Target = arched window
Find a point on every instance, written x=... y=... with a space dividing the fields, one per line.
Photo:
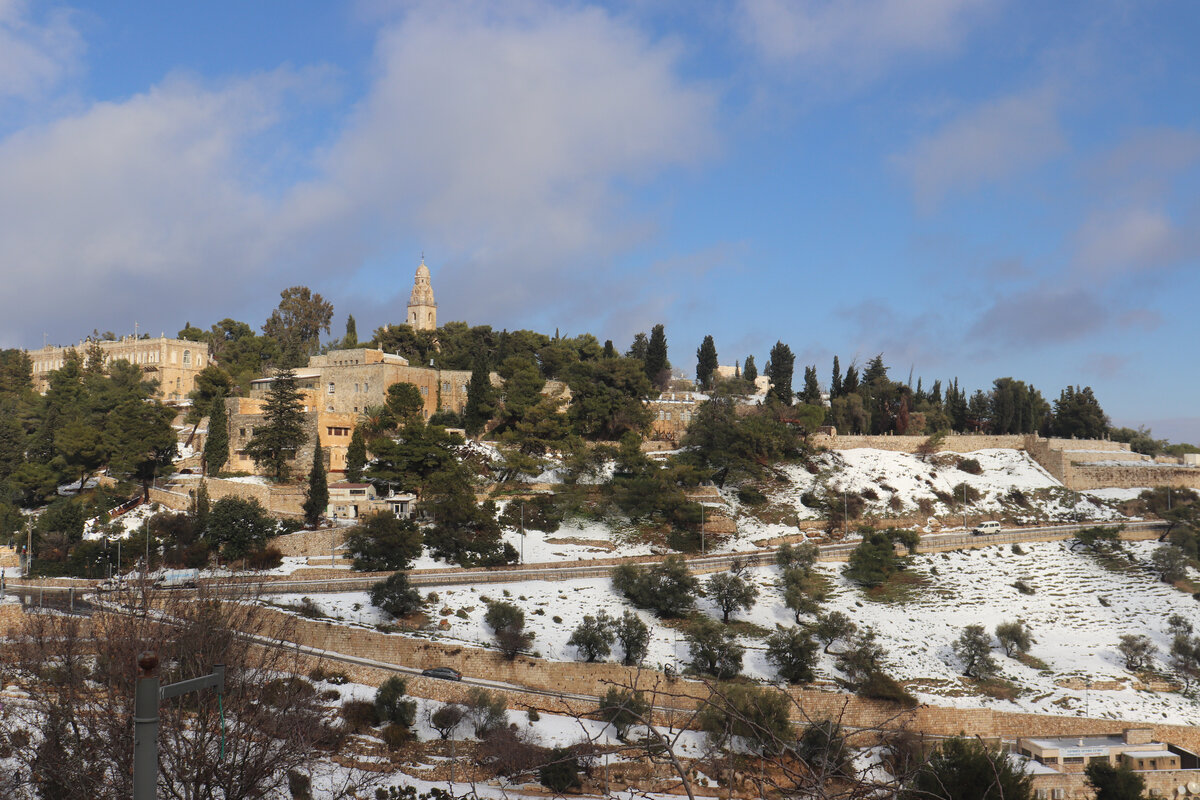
x=187 y=358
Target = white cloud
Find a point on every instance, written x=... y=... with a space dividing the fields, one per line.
x=858 y=37
x=35 y=57
x=987 y=144
x=505 y=146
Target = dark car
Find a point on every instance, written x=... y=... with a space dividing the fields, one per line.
x=445 y=673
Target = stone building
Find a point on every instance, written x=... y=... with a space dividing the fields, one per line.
x=173 y=363
x=354 y=500
x=422 y=310
x=1057 y=763
x=672 y=413
x=331 y=430
x=351 y=381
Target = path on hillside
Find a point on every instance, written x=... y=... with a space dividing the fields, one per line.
x=558 y=571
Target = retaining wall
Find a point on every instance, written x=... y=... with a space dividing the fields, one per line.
x=286 y=501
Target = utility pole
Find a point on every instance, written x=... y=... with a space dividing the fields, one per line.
x=522 y=532
x=145 y=719
x=845 y=512
x=702 y=529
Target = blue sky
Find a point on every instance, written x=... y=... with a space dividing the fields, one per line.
x=974 y=188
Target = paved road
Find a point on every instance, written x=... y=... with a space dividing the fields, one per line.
x=554 y=571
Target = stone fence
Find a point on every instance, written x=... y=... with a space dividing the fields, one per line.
x=285 y=501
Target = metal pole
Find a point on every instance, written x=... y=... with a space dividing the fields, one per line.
x=964 y=507
x=845 y=512
x=702 y=529
x=522 y=532
x=145 y=730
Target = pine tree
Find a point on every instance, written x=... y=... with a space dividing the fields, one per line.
x=706 y=362
x=749 y=370
x=481 y=403
x=351 y=339
x=316 y=500
x=835 y=386
x=282 y=433
x=658 y=368
x=850 y=382
x=356 y=455
x=812 y=390
x=216 y=445
x=779 y=370
x=609 y=350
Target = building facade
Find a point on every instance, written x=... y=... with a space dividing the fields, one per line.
x=351 y=381
x=422 y=310
x=173 y=363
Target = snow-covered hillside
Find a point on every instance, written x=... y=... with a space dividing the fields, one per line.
x=1078 y=612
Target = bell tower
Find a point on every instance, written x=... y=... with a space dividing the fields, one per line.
x=422 y=310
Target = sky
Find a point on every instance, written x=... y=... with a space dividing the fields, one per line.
x=973 y=188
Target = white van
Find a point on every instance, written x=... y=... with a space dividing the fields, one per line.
x=986 y=528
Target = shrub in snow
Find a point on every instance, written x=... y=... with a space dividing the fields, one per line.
x=1137 y=651
x=395 y=596
x=383 y=542
x=561 y=772
x=793 y=653
x=634 y=636
x=446 y=719
x=508 y=623
x=391 y=705
x=974 y=648
x=730 y=593
x=1015 y=637
x=757 y=714
x=593 y=637
x=667 y=588
x=485 y=711
x=623 y=710
x=970 y=466
x=1170 y=563
x=714 y=650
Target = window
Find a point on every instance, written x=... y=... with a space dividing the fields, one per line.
x=1050 y=760
x=356 y=388
x=329 y=409
x=331 y=387
x=187 y=358
x=425 y=390
x=358 y=491
x=366 y=387
x=446 y=387
x=335 y=430
x=1073 y=760
x=241 y=431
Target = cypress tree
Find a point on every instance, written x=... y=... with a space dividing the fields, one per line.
x=750 y=370
x=657 y=366
x=779 y=370
x=609 y=350
x=200 y=509
x=351 y=339
x=835 y=386
x=480 y=399
x=216 y=446
x=317 y=498
x=356 y=455
x=706 y=362
x=812 y=390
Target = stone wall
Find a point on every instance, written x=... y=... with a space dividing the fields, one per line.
x=306 y=543
x=953 y=443
x=285 y=501
x=1089 y=476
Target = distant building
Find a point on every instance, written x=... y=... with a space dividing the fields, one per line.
x=761 y=383
x=173 y=363
x=1057 y=763
x=422 y=310
x=354 y=500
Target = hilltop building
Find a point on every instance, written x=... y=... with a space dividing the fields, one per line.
x=173 y=363
x=422 y=310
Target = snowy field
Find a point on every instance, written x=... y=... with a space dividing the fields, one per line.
x=1076 y=632
x=900 y=481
